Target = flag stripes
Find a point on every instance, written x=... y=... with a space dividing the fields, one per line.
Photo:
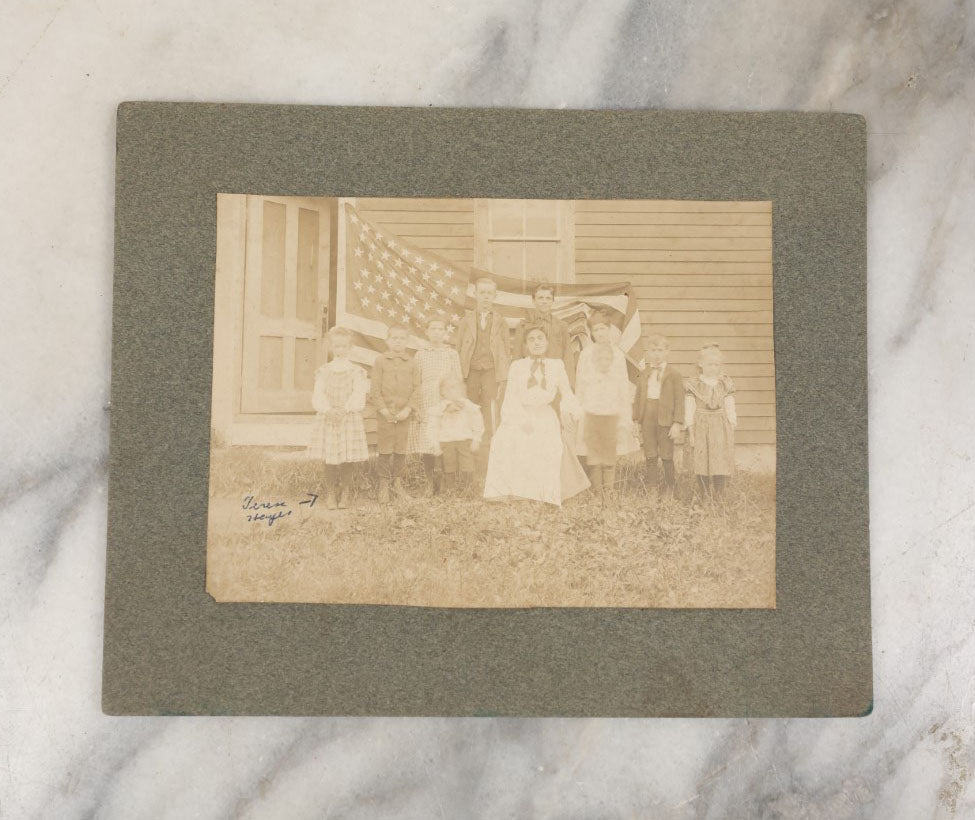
x=385 y=281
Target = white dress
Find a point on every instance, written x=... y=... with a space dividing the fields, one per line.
x=535 y=462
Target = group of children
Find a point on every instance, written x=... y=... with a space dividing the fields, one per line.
x=422 y=406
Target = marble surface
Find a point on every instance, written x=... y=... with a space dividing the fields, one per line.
x=65 y=64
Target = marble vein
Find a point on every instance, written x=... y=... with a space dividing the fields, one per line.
x=908 y=66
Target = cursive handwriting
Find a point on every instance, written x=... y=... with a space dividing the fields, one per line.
x=271 y=511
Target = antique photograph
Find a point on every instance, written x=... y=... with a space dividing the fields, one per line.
x=493 y=403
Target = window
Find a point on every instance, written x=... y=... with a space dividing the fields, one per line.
x=527 y=239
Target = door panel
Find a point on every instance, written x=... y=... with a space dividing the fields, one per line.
x=285 y=291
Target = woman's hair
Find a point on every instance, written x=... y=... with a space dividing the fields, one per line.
x=397 y=326
x=543 y=286
x=433 y=319
x=541 y=328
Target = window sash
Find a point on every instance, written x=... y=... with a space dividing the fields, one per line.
x=564 y=238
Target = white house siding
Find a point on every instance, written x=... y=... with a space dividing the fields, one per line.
x=702 y=272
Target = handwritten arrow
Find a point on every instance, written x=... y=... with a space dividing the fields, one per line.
x=310 y=502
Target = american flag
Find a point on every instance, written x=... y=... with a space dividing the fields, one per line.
x=387 y=281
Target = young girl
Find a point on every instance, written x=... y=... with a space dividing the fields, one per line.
x=339 y=435
x=604 y=394
x=711 y=419
x=529 y=457
x=433 y=364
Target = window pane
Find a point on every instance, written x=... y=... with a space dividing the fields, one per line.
x=305 y=363
x=542 y=261
x=272 y=261
x=270 y=362
x=541 y=218
x=307 y=284
x=507 y=218
x=507 y=258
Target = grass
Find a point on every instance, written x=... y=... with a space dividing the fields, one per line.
x=641 y=551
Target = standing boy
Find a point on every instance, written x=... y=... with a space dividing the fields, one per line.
x=659 y=409
x=559 y=339
x=394 y=394
x=483 y=343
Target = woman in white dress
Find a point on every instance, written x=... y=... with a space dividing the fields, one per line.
x=529 y=456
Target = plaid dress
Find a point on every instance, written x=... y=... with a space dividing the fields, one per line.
x=434 y=365
x=339 y=384
x=714 y=435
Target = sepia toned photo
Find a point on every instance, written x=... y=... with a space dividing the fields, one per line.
x=493 y=403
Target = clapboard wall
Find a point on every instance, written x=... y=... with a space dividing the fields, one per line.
x=701 y=271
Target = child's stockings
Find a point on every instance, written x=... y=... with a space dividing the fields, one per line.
x=670 y=480
x=430 y=469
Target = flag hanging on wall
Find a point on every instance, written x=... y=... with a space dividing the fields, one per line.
x=383 y=280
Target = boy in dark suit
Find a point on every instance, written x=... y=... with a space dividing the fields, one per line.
x=483 y=342
x=658 y=407
x=395 y=384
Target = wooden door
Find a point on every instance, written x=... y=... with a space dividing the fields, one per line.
x=286 y=274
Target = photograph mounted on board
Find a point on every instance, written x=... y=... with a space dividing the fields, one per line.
x=493 y=403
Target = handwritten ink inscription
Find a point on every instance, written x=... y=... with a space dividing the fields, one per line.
x=258 y=511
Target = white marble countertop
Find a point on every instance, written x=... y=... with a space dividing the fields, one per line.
x=64 y=66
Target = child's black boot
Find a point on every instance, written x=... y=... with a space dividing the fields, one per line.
x=670 y=477
x=719 y=482
x=609 y=484
x=653 y=478
x=596 y=480
x=331 y=479
x=345 y=479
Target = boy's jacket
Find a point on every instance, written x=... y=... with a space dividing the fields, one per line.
x=671 y=404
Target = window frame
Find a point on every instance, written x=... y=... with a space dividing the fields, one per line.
x=564 y=238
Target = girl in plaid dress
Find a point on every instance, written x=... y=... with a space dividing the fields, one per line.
x=339 y=435
x=434 y=363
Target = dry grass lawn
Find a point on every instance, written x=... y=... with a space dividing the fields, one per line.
x=639 y=552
